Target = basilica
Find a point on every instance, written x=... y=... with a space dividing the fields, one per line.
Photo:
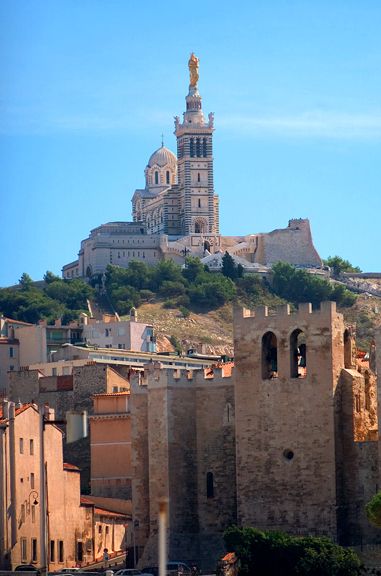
x=176 y=214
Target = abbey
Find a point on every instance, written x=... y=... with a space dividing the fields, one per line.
x=177 y=212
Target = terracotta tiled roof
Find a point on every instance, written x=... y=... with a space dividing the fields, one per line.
x=17 y=411
x=10 y=320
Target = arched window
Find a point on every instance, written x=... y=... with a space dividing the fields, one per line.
x=156 y=177
x=269 y=356
x=209 y=485
x=197 y=228
x=198 y=177
x=298 y=354
x=167 y=176
x=198 y=148
x=199 y=202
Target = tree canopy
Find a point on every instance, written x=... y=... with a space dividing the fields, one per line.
x=273 y=553
x=296 y=286
x=339 y=265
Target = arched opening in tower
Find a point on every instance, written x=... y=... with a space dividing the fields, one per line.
x=298 y=354
x=269 y=356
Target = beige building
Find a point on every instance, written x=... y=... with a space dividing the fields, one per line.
x=177 y=212
x=40 y=498
x=110 y=433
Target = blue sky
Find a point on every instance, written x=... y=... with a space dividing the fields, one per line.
x=88 y=86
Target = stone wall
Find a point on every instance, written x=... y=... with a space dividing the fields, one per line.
x=285 y=425
x=190 y=434
x=292 y=244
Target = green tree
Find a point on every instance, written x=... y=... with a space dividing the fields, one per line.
x=229 y=268
x=373 y=510
x=339 y=265
x=49 y=277
x=25 y=281
x=273 y=553
x=193 y=268
x=297 y=286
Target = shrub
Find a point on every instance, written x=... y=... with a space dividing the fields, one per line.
x=184 y=311
x=273 y=553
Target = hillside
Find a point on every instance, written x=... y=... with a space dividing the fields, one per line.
x=210 y=332
x=191 y=307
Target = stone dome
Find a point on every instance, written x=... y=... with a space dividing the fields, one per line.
x=162 y=157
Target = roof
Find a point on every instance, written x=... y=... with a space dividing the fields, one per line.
x=104 y=510
x=11 y=321
x=17 y=411
x=161 y=157
x=101 y=394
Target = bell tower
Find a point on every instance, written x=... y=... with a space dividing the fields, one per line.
x=198 y=203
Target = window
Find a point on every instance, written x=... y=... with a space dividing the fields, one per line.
x=11 y=352
x=79 y=551
x=33 y=512
x=21 y=443
x=22 y=516
x=269 y=356
x=204 y=151
x=198 y=177
x=199 y=202
x=167 y=176
x=24 y=550
x=31 y=446
x=100 y=529
x=60 y=551
x=34 y=550
x=32 y=480
x=209 y=485
x=298 y=354
x=54 y=371
x=52 y=551
x=156 y=177
x=107 y=529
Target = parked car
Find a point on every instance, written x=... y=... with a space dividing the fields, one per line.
x=27 y=568
x=128 y=572
x=173 y=569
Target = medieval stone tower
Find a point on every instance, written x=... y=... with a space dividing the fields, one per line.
x=300 y=407
x=198 y=203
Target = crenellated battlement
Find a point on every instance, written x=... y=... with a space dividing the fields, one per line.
x=156 y=375
x=327 y=311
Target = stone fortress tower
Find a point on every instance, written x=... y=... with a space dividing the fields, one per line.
x=306 y=425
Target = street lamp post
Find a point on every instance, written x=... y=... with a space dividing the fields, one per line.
x=185 y=251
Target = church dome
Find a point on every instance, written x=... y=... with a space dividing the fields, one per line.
x=162 y=157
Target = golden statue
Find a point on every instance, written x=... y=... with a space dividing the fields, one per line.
x=193 y=69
